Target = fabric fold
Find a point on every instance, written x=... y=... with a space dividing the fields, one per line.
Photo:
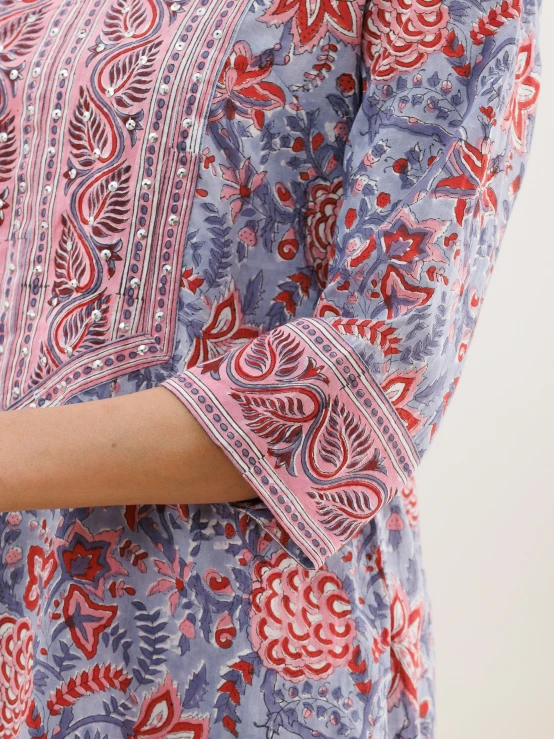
x=297 y=413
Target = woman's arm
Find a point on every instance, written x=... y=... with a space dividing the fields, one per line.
x=140 y=448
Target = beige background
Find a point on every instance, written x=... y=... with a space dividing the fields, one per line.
x=487 y=484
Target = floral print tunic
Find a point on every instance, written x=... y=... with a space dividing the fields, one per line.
x=286 y=212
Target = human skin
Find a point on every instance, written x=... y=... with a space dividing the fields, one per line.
x=142 y=448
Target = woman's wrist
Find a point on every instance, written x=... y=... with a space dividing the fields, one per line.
x=140 y=448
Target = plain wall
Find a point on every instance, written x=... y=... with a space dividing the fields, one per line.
x=486 y=485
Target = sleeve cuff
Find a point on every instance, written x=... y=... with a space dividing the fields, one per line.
x=299 y=415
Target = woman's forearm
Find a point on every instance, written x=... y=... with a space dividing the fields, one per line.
x=140 y=448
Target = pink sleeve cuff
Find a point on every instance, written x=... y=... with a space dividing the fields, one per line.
x=298 y=414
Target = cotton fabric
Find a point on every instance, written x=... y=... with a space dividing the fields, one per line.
x=286 y=212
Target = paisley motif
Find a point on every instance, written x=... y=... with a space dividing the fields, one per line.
x=93 y=281
x=285 y=212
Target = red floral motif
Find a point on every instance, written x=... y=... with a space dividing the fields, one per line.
x=400 y=296
x=16 y=674
x=160 y=717
x=400 y=34
x=223 y=331
x=217 y=582
x=405 y=636
x=400 y=389
x=312 y=19
x=242 y=89
x=97 y=678
x=489 y=23
x=346 y=83
x=40 y=570
x=225 y=631
x=241 y=184
x=301 y=623
x=324 y=202
x=173 y=580
x=471 y=174
x=191 y=281
x=408 y=245
x=378 y=333
x=525 y=93
x=287 y=248
x=467 y=169
x=86 y=619
x=89 y=558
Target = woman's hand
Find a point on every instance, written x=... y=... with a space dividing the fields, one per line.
x=145 y=447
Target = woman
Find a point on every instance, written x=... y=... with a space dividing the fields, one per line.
x=276 y=219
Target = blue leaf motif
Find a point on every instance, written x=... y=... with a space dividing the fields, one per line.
x=195 y=689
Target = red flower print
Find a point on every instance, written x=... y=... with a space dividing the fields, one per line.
x=400 y=388
x=401 y=166
x=223 y=331
x=243 y=182
x=408 y=243
x=383 y=200
x=312 y=19
x=323 y=207
x=40 y=570
x=346 y=84
x=218 y=583
x=350 y=218
x=489 y=113
x=399 y=35
x=225 y=631
x=406 y=664
x=242 y=89
x=89 y=558
x=16 y=674
x=173 y=580
x=317 y=140
x=160 y=717
x=86 y=619
x=191 y=281
x=524 y=96
x=301 y=623
x=408 y=246
x=469 y=174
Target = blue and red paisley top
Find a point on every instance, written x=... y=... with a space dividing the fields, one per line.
x=286 y=212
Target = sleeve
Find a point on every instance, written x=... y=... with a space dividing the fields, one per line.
x=328 y=416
